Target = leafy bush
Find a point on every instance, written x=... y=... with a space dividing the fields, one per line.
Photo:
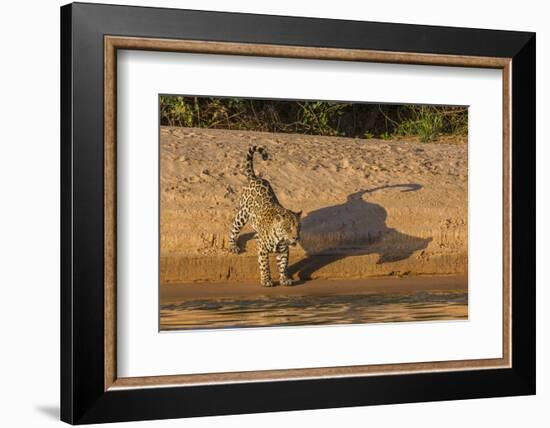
x=428 y=122
x=358 y=120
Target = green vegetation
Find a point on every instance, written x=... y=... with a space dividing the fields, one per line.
x=428 y=122
x=357 y=120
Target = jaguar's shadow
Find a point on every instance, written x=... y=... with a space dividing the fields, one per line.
x=354 y=228
x=244 y=238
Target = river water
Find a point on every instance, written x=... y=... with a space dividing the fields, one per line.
x=280 y=311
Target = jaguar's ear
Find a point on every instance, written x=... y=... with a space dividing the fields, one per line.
x=278 y=218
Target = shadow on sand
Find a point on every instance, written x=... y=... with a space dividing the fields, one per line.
x=354 y=228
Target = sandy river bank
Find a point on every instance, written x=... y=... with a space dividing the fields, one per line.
x=371 y=207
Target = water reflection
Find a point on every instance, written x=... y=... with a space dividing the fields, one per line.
x=314 y=310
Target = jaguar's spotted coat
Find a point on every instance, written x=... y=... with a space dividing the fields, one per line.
x=276 y=227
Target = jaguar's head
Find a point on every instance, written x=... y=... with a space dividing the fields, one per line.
x=288 y=227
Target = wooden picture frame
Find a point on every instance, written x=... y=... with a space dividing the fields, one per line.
x=91 y=390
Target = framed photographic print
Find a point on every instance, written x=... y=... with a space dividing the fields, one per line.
x=266 y=213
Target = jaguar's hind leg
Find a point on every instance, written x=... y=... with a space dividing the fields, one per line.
x=241 y=217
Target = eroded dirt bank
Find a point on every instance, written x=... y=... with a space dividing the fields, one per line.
x=371 y=207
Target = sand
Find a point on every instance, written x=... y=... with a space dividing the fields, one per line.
x=371 y=207
x=250 y=289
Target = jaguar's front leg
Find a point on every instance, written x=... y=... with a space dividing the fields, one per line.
x=265 y=274
x=282 y=263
